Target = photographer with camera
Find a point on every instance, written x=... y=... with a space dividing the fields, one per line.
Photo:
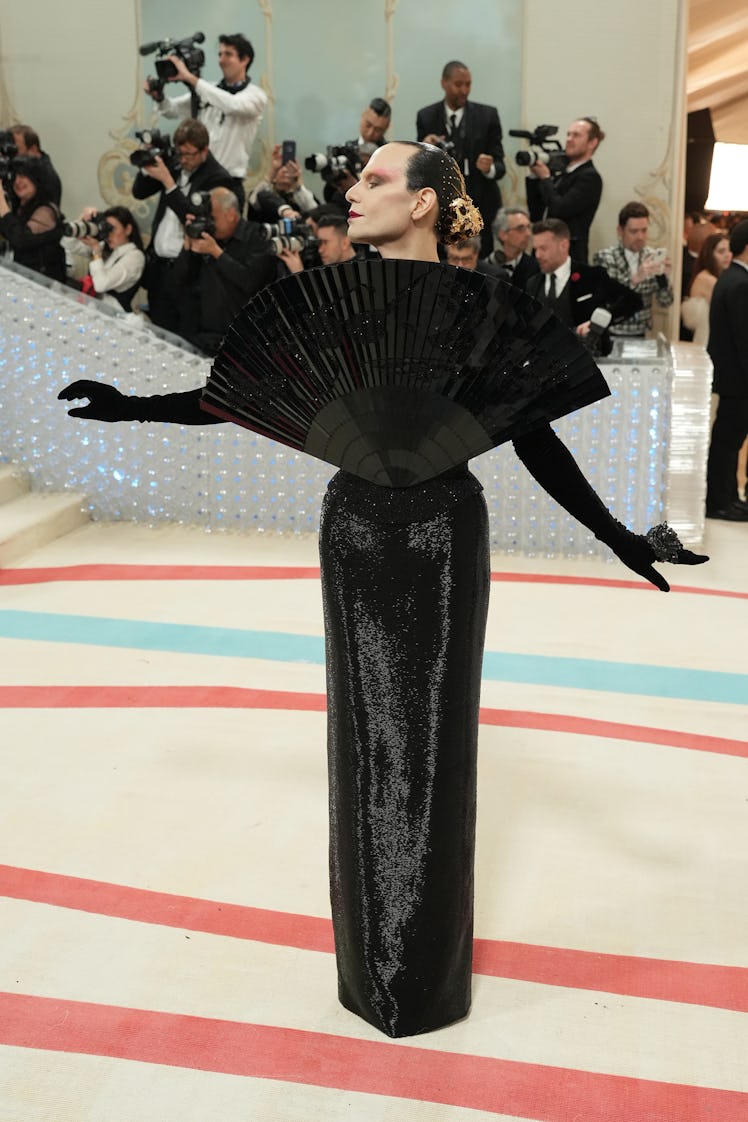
x=111 y=244
x=231 y=110
x=174 y=173
x=333 y=245
x=33 y=226
x=282 y=194
x=223 y=263
x=27 y=143
x=645 y=270
x=470 y=132
x=572 y=193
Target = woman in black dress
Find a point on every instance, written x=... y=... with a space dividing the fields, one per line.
x=405 y=580
x=34 y=228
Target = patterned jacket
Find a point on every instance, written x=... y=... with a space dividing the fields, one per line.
x=613 y=260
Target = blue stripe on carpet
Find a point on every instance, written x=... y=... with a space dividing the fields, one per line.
x=276 y=646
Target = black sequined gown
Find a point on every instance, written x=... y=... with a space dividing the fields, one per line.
x=405 y=582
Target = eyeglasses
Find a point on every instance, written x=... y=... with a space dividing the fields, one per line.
x=188 y=151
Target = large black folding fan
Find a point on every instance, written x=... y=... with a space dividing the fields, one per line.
x=395 y=370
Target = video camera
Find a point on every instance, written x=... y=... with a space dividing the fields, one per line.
x=191 y=55
x=155 y=144
x=97 y=227
x=337 y=160
x=203 y=221
x=544 y=150
x=8 y=153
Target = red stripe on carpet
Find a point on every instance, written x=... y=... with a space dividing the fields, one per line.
x=723 y=987
x=536 y=1091
x=156 y=697
x=238 y=697
x=300 y=572
x=157 y=572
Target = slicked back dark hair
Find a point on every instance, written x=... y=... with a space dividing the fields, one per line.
x=241 y=45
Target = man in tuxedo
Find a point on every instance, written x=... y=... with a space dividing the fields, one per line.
x=574 y=195
x=513 y=231
x=583 y=296
x=198 y=171
x=472 y=133
x=728 y=349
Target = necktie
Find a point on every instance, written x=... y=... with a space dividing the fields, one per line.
x=552 y=287
x=452 y=124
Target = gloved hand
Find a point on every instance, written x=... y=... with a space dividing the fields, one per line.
x=639 y=551
x=107 y=404
x=555 y=469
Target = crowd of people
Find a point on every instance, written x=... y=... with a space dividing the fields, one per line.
x=210 y=249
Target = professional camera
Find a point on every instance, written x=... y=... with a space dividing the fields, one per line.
x=191 y=55
x=201 y=210
x=293 y=234
x=338 y=160
x=97 y=227
x=155 y=144
x=447 y=146
x=544 y=150
x=8 y=153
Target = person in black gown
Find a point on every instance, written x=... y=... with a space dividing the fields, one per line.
x=405 y=581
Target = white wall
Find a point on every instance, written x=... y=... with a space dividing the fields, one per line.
x=70 y=70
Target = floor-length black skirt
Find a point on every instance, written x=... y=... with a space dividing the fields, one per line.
x=405 y=580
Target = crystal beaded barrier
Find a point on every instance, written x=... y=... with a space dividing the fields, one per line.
x=223 y=477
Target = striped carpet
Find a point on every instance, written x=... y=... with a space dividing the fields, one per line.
x=165 y=942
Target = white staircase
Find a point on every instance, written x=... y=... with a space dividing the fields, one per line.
x=29 y=520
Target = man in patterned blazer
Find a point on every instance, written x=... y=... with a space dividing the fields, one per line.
x=639 y=268
x=472 y=132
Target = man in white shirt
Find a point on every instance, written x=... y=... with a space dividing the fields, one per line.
x=231 y=110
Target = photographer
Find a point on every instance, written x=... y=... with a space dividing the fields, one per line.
x=231 y=110
x=333 y=244
x=114 y=253
x=33 y=229
x=195 y=169
x=223 y=263
x=28 y=144
x=574 y=194
x=282 y=195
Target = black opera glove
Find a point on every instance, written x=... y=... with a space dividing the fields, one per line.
x=106 y=403
x=549 y=461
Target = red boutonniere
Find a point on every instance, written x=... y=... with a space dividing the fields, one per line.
x=575 y=276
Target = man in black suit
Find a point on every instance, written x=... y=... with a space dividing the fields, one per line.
x=728 y=349
x=474 y=133
x=513 y=231
x=198 y=170
x=219 y=269
x=583 y=296
x=574 y=195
